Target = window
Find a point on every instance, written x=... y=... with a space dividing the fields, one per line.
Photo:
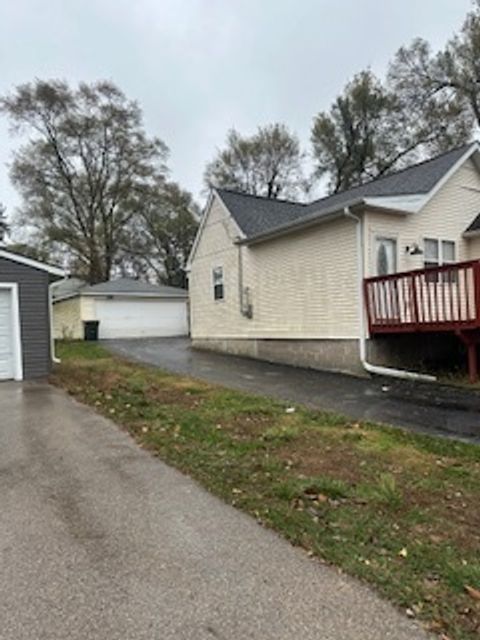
x=218 y=289
x=386 y=256
x=448 y=252
x=436 y=254
x=431 y=253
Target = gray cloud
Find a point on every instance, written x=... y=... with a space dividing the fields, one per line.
x=198 y=67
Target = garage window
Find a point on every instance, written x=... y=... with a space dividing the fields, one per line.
x=218 y=288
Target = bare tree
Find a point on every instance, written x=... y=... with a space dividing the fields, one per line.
x=4 y=226
x=268 y=163
x=163 y=234
x=84 y=169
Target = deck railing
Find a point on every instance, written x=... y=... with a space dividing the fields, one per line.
x=442 y=298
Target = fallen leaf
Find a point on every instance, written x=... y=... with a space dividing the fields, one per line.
x=473 y=593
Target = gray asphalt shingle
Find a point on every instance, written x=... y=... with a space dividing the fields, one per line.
x=256 y=215
x=137 y=287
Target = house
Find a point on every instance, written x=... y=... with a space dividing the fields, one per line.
x=125 y=308
x=385 y=274
x=26 y=346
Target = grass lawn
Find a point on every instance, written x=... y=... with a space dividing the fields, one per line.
x=397 y=510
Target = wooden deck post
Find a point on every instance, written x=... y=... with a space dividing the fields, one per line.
x=472 y=362
x=470 y=340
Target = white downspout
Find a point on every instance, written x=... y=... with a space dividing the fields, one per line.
x=362 y=342
x=52 y=339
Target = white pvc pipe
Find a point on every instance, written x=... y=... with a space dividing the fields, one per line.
x=362 y=342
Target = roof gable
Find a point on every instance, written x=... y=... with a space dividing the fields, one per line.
x=255 y=214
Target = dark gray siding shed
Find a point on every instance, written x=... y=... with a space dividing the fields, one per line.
x=34 y=315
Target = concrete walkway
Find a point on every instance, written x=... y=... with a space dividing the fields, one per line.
x=99 y=540
x=422 y=407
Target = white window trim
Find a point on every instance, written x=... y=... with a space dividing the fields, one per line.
x=16 y=329
x=441 y=260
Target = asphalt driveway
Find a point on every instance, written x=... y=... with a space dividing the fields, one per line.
x=421 y=407
x=100 y=540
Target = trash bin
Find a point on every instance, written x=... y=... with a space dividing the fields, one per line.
x=90 y=329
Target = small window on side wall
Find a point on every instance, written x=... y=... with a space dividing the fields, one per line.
x=218 y=288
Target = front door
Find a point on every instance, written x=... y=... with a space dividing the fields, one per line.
x=386 y=263
x=386 y=256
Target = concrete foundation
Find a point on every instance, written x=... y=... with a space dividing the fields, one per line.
x=418 y=352
x=335 y=355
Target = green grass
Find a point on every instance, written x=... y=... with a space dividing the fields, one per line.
x=398 y=510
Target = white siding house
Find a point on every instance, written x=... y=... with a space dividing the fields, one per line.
x=283 y=281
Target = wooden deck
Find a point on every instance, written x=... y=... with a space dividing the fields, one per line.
x=445 y=298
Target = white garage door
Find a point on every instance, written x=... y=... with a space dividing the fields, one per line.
x=6 y=335
x=141 y=318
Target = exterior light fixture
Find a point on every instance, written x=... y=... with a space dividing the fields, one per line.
x=414 y=250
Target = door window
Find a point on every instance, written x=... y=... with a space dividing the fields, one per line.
x=386 y=256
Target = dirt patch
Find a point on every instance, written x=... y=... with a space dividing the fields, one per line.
x=174 y=396
x=313 y=456
x=249 y=425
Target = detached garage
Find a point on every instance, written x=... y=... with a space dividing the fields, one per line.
x=25 y=337
x=124 y=308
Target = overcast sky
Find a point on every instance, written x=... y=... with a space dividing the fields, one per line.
x=199 y=67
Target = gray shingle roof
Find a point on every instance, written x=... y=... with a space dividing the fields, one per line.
x=126 y=286
x=256 y=215
x=67 y=288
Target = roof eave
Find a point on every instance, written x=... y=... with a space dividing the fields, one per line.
x=359 y=204
x=126 y=294
x=34 y=264
x=472 y=233
x=66 y=296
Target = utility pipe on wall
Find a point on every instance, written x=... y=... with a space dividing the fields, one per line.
x=362 y=342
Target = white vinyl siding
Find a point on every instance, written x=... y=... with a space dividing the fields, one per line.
x=300 y=286
x=444 y=217
x=67 y=322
